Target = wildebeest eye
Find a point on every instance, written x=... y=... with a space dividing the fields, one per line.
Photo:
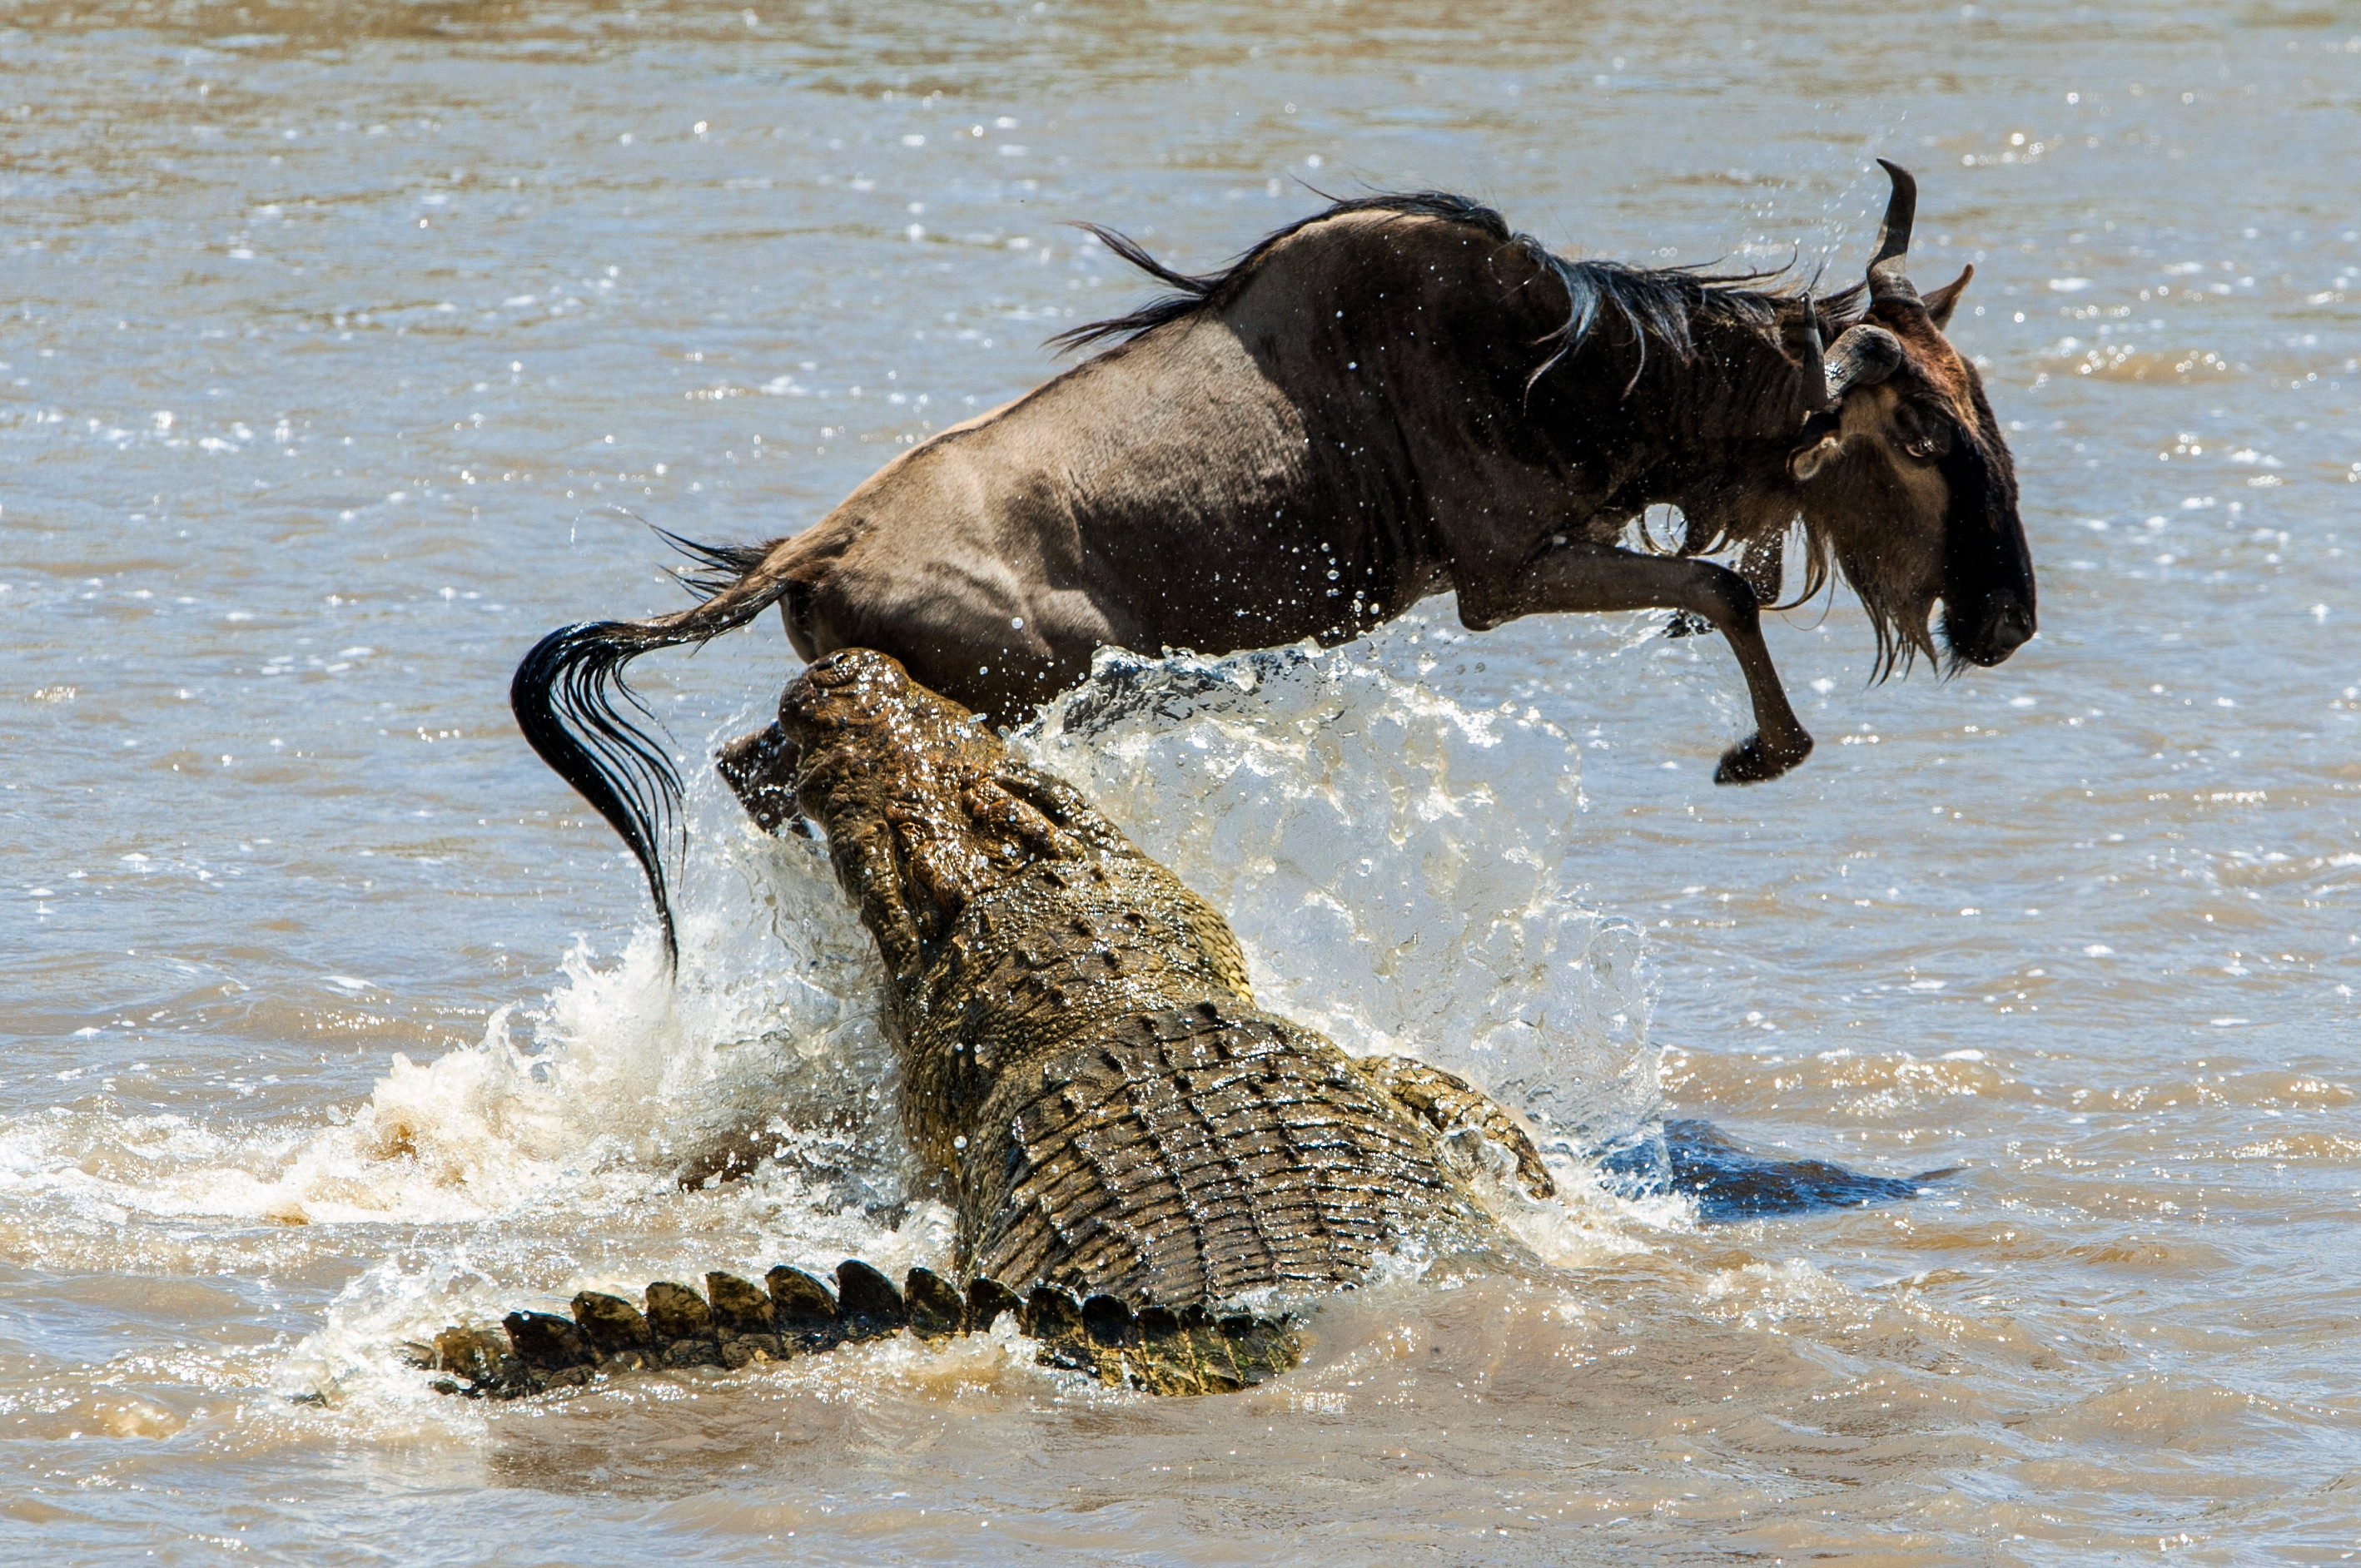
x=1925 y=436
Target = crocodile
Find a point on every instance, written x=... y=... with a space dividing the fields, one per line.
x=1133 y=1147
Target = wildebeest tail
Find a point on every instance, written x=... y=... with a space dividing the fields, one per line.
x=571 y=701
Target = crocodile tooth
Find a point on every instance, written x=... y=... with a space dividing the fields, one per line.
x=1108 y=1321
x=544 y=1340
x=986 y=1300
x=615 y=1328
x=867 y=1305
x=738 y=1307
x=936 y=1308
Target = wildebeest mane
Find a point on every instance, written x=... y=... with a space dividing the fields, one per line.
x=1662 y=303
x=1196 y=290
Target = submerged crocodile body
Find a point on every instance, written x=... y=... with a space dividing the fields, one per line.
x=1130 y=1143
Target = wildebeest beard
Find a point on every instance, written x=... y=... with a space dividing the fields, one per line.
x=1910 y=591
x=1955 y=595
x=1395 y=398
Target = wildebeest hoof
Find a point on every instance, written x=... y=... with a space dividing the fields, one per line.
x=1751 y=762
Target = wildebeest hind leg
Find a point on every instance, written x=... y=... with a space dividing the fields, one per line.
x=1581 y=576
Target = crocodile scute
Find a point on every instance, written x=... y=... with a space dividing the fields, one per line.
x=736 y=1324
x=1131 y=1144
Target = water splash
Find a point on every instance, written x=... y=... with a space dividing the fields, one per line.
x=1397 y=867
x=619 y=1084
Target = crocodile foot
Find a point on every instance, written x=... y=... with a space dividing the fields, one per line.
x=735 y=1323
x=1449 y=1103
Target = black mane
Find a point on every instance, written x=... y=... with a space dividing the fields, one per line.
x=1658 y=304
x=1197 y=289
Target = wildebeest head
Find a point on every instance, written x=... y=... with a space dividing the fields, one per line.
x=1904 y=477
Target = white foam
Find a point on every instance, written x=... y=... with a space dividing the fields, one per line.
x=1397 y=867
x=625 y=1077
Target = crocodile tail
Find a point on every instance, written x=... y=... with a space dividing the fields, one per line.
x=1159 y=1350
x=736 y=1323
x=570 y=699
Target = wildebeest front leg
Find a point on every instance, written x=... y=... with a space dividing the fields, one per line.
x=1764 y=564
x=1578 y=576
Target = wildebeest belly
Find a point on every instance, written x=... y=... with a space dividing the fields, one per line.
x=1121 y=1119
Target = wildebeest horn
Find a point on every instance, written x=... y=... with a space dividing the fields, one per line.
x=1886 y=277
x=1863 y=356
x=1813 y=374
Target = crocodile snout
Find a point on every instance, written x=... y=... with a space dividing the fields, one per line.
x=761 y=769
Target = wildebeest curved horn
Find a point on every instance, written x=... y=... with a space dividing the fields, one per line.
x=1863 y=356
x=1813 y=373
x=1887 y=279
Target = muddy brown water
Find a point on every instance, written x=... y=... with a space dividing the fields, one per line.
x=338 y=339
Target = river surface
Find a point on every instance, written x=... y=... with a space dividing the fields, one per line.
x=344 y=342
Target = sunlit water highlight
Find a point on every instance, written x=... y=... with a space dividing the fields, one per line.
x=335 y=332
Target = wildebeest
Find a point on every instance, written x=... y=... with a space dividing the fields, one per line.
x=1394 y=397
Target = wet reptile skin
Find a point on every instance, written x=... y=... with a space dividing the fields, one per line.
x=1132 y=1144
x=1081 y=1051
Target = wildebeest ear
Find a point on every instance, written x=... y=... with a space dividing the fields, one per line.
x=1806 y=462
x=1940 y=300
